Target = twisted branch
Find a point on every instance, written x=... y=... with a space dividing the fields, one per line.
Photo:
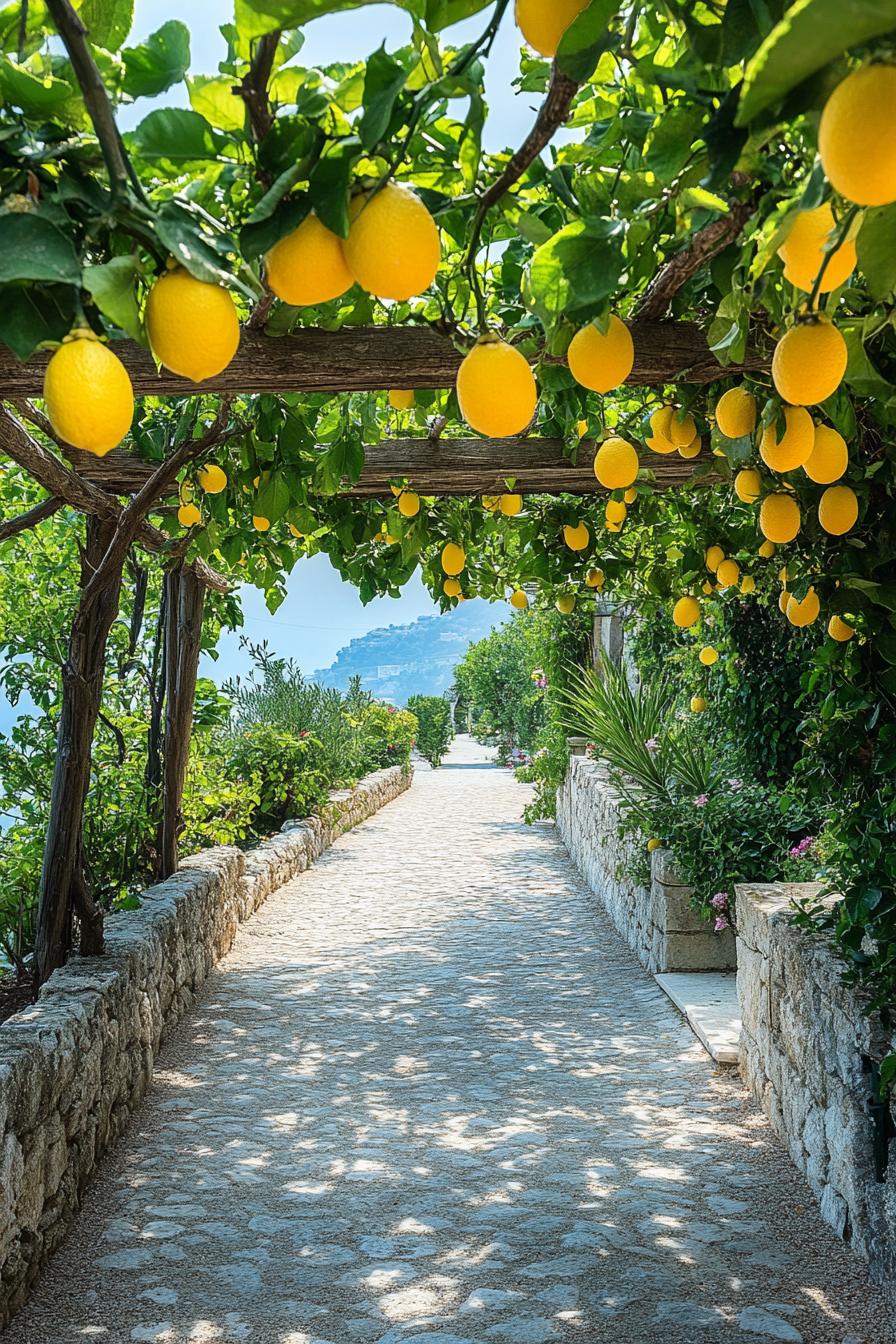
x=13 y=526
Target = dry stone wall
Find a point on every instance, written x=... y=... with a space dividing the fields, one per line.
x=74 y=1065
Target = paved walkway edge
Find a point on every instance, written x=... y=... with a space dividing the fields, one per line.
x=75 y=1065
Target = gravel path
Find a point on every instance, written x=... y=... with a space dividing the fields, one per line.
x=431 y=1098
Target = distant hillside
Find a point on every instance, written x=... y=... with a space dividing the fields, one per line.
x=415 y=659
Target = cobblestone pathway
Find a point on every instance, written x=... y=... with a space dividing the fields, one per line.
x=430 y=1098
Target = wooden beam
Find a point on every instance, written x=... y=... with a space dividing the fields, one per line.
x=359 y=359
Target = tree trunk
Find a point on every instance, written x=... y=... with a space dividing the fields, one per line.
x=183 y=639
x=63 y=889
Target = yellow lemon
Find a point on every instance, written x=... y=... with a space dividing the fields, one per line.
x=490 y=502
x=211 y=478
x=401 y=399
x=192 y=325
x=451 y=588
x=681 y=431
x=510 y=505
x=698 y=704
x=708 y=655
x=659 y=439
x=686 y=612
x=796 y=444
x=576 y=538
x=519 y=600
x=261 y=524
x=601 y=361
x=392 y=248
x=566 y=604
x=408 y=504
x=308 y=266
x=783 y=600
x=804 y=612
x=779 y=518
x=691 y=449
x=496 y=389
x=707 y=587
x=453 y=558
x=829 y=457
x=838 y=509
x=581 y=428
x=855 y=137
x=543 y=22
x=748 y=485
x=736 y=413
x=728 y=573
x=766 y=550
x=653 y=844
x=802 y=251
x=630 y=495
x=713 y=557
x=809 y=362
x=748 y=584
x=90 y=401
x=613 y=527
x=616 y=464
x=616 y=511
x=839 y=630
x=188 y=515
x=594 y=578
x=294 y=531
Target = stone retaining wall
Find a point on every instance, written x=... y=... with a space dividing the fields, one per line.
x=657 y=921
x=806 y=1050
x=74 y=1066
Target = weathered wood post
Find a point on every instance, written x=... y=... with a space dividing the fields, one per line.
x=184 y=608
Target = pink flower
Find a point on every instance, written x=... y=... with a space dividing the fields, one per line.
x=652 y=745
x=720 y=901
x=701 y=801
x=721 y=924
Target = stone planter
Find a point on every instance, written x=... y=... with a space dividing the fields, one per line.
x=577 y=745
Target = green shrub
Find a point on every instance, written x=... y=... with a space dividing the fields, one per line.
x=434 y=731
x=385 y=734
x=284 y=769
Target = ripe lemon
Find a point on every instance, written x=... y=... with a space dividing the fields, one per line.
x=779 y=518
x=519 y=600
x=692 y=449
x=783 y=600
x=713 y=557
x=192 y=325
x=708 y=655
x=510 y=505
x=796 y=444
x=401 y=400
x=630 y=495
x=698 y=704
x=802 y=252
x=594 y=578
x=809 y=362
x=581 y=428
x=261 y=524
x=766 y=550
x=728 y=573
x=782 y=575
x=211 y=478
x=454 y=559
x=566 y=604
x=496 y=389
x=707 y=588
x=294 y=531
x=408 y=504
x=90 y=401
x=660 y=424
x=805 y=612
x=308 y=265
x=681 y=432
x=490 y=502
x=686 y=612
x=748 y=584
x=748 y=485
x=392 y=248
x=736 y=413
x=616 y=511
x=829 y=457
x=451 y=588
x=543 y=22
x=601 y=361
x=653 y=844
x=577 y=537
x=613 y=527
x=838 y=509
x=839 y=630
x=188 y=515
x=616 y=464
x=855 y=137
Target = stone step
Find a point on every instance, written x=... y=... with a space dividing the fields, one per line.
x=708 y=1001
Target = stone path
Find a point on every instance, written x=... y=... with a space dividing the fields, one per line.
x=430 y=1098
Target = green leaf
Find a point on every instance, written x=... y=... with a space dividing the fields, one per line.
x=175 y=138
x=273 y=217
x=727 y=336
x=861 y=375
x=162 y=60
x=668 y=146
x=181 y=234
x=383 y=82
x=273 y=499
x=585 y=40
x=812 y=33
x=37 y=98
x=876 y=246
x=329 y=183
x=31 y=248
x=34 y=314
x=112 y=286
x=576 y=272
x=254 y=18
x=108 y=22
x=214 y=99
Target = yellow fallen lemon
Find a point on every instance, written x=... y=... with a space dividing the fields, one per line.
x=90 y=401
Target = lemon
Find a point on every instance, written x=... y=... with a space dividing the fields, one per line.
x=192 y=325
x=630 y=495
x=454 y=559
x=698 y=704
x=594 y=578
x=543 y=22
x=838 y=509
x=681 y=432
x=490 y=502
x=90 y=401
x=566 y=604
x=601 y=361
x=451 y=588
x=261 y=524
x=766 y=550
x=188 y=515
x=408 y=504
x=855 y=136
x=294 y=531
x=510 y=505
x=613 y=527
x=779 y=518
x=496 y=389
x=401 y=399
x=616 y=464
x=839 y=630
x=211 y=478
x=686 y=612
x=691 y=449
x=748 y=485
x=653 y=844
x=707 y=588
x=616 y=511
x=803 y=250
x=728 y=573
x=804 y=612
x=713 y=557
x=748 y=584
x=660 y=424
x=829 y=457
x=783 y=600
x=519 y=600
x=308 y=266
x=708 y=655
x=796 y=444
x=809 y=362
x=392 y=248
x=576 y=537
x=581 y=428
x=736 y=413
x=783 y=575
